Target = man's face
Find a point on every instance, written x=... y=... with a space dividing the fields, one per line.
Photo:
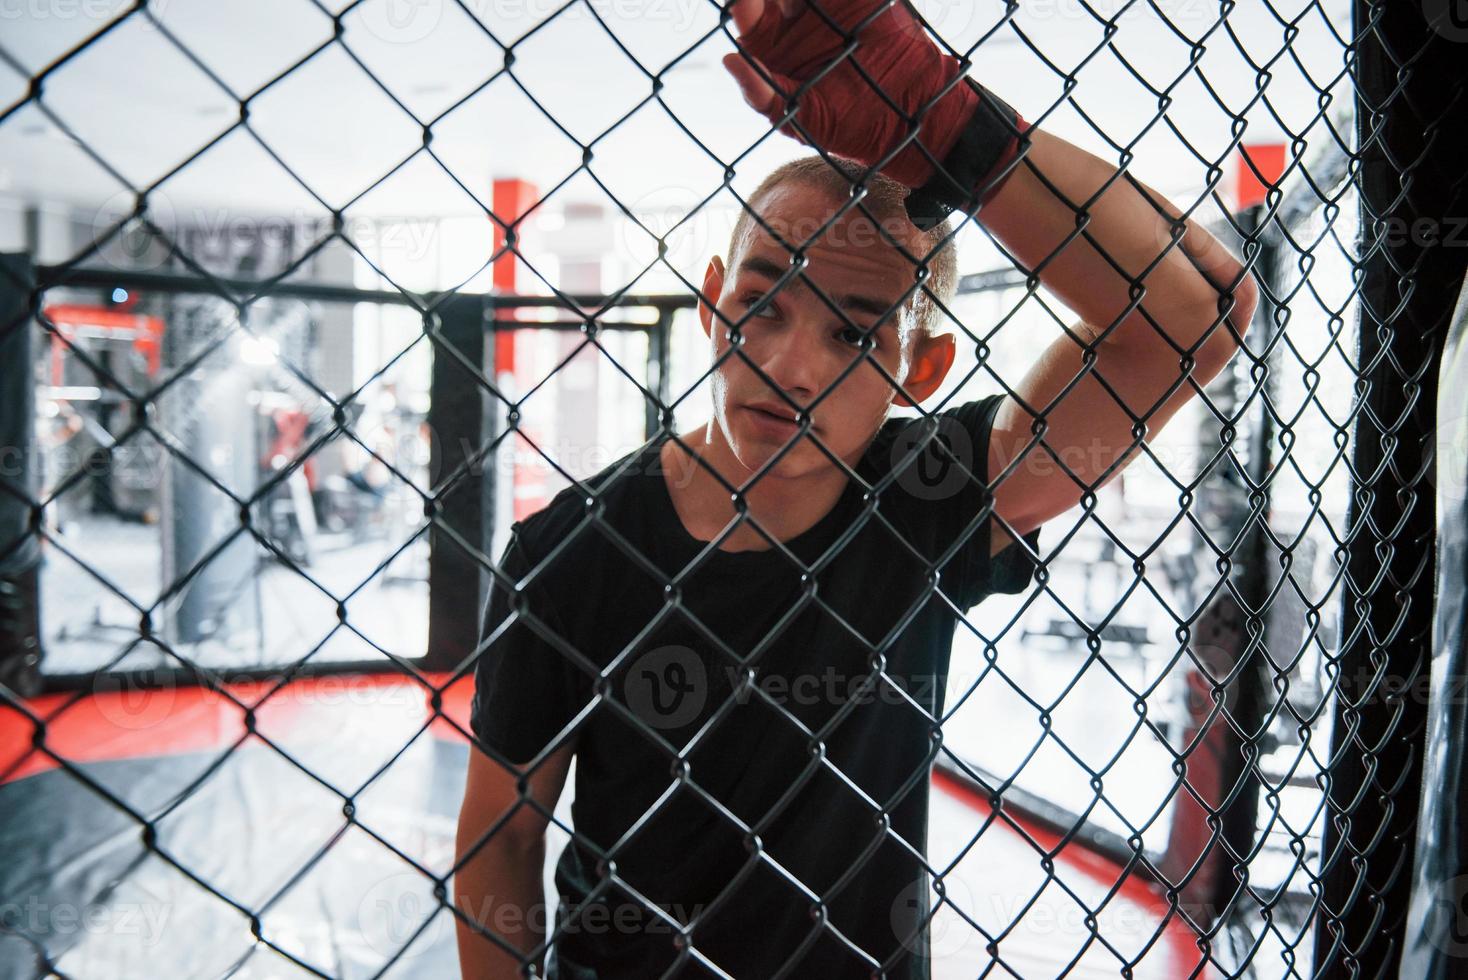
x=803 y=345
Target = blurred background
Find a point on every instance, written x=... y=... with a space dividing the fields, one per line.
x=249 y=236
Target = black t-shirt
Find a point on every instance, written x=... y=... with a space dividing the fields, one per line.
x=824 y=753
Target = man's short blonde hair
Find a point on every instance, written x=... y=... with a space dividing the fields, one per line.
x=886 y=200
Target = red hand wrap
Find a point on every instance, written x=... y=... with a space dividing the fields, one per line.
x=841 y=111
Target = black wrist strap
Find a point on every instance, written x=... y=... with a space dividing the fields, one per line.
x=981 y=147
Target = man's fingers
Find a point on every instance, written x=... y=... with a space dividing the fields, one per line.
x=770 y=102
x=746 y=14
x=756 y=91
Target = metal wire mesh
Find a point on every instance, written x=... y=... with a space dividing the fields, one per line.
x=1250 y=571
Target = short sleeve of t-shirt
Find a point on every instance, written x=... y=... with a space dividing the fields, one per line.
x=525 y=689
x=954 y=499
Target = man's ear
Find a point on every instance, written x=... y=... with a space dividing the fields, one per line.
x=713 y=288
x=930 y=363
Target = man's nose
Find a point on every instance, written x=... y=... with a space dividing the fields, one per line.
x=794 y=363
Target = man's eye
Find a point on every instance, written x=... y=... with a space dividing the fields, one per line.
x=764 y=311
x=852 y=335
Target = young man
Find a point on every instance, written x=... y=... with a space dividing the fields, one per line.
x=751 y=691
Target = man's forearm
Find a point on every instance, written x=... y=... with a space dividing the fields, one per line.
x=501 y=889
x=1100 y=241
x=1125 y=241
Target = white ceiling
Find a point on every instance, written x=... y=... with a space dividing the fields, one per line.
x=144 y=108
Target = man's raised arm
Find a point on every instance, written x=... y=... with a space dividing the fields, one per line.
x=1095 y=237
x=1163 y=305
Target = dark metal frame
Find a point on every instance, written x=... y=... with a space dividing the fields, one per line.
x=1412 y=134
x=462 y=413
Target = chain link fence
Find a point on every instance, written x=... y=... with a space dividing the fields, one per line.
x=196 y=392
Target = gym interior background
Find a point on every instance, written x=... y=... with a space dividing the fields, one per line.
x=304 y=303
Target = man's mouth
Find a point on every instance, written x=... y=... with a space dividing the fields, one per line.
x=773 y=408
x=774 y=418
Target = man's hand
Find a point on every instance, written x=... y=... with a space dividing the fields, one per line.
x=791 y=42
